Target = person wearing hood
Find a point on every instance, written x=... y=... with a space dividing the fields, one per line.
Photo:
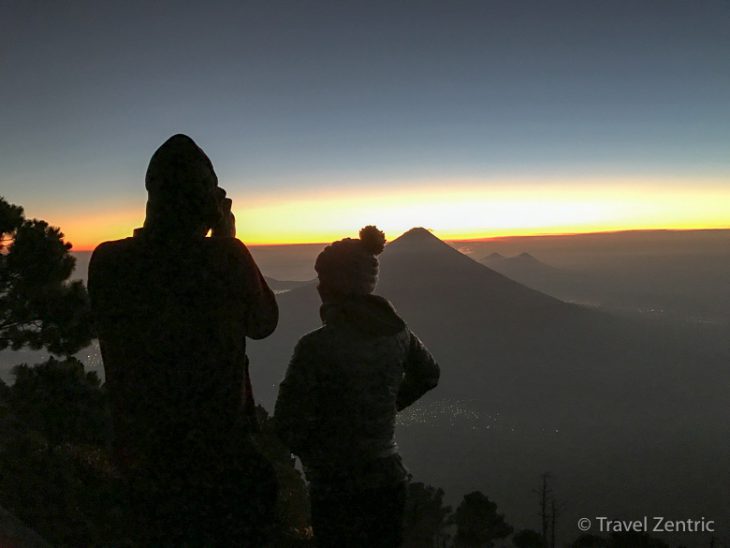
x=173 y=309
x=337 y=403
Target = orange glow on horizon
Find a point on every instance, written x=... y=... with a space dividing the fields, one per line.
x=461 y=210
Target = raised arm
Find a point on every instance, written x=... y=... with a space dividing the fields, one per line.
x=262 y=312
x=421 y=374
x=263 y=315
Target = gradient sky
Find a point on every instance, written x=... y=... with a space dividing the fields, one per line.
x=472 y=118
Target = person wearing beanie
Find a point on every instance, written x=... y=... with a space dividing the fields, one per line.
x=337 y=403
x=173 y=309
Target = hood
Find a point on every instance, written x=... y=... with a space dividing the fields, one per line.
x=369 y=314
x=179 y=166
x=181 y=185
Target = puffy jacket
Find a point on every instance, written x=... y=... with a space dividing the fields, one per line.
x=346 y=381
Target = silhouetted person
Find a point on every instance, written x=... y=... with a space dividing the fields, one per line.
x=337 y=404
x=173 y=310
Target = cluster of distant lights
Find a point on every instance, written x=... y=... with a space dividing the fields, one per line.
x=456 y=413
x=92 y=357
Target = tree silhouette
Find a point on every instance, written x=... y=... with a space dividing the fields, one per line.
x=39 y=308
x=4 y=399
x=61 y=402
x=544 y=492
x=478 y=523
x=425 y=517
x=54 y=467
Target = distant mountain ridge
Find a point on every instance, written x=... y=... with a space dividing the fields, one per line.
x=418 y=262
x=464 y=309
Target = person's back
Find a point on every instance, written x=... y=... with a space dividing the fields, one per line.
x=337 y=404
x=172 y=324
x=357 y=361
x=173 y=309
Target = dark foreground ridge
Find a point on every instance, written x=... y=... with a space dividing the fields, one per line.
x=14 y=533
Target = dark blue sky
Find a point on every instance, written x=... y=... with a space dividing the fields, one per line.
x=288 y=96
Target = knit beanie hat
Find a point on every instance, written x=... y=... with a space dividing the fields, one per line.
x=350 y=266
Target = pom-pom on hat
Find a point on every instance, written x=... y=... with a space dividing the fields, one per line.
x=350 y=266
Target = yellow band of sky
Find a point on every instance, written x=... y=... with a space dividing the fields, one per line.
x=454 y=210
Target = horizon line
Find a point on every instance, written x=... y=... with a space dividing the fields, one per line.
x=481 y=239
x=591 y=233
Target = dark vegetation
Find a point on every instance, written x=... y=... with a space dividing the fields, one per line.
x=38 y=307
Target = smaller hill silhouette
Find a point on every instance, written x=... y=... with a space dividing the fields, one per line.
x=524 y=263
x=494 y=257
x=527 y=269
x=417 y=262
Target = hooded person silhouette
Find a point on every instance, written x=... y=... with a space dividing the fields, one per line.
x=173 y=309
x=337 y=403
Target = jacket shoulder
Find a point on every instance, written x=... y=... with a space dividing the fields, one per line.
x=232 y=249
x=231 y=245
x=107 y=251
x=107 y=247
x=313 y=338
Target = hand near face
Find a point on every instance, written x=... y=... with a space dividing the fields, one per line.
x=225 y=227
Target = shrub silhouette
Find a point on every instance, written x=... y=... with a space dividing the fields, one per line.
x=425 y=518
x=478 y=523
x=61 y=402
